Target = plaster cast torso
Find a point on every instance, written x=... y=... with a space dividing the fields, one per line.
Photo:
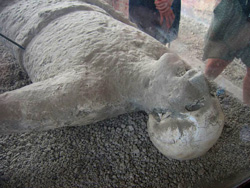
x=88 y=63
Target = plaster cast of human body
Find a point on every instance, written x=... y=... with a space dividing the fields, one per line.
x=88 y=63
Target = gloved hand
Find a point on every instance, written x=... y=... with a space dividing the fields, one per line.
x=164 y=7
x=215 y=66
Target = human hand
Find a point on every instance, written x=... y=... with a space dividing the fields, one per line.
x=215 y=66
x=164 y=7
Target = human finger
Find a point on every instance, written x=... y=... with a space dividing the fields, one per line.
x=162 y=6
x=165 y=9
x=161 y=20
x=172 y=17
x=169 y=17
x=167 y=21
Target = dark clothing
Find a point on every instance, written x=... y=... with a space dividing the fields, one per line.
x=245 y=4
x=147 y=18
x=228 y=36
x=144 y=3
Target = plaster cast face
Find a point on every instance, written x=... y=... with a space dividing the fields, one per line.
x=190 y=125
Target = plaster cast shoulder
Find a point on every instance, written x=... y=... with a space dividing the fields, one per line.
x=22 y=22
x=91 y=39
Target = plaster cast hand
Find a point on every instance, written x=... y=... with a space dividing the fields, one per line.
x=215 y=66
x=164 y=7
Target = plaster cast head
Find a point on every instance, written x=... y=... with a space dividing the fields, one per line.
x=191 y=121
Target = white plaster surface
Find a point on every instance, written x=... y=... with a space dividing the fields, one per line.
x=88 y=63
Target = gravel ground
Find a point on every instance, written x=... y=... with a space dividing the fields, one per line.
x=117 y=152
x=11 y=75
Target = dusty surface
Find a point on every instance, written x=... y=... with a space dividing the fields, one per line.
x=117 y=152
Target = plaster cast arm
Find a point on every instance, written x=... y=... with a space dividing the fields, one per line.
x=79 y=98
x=55 y=102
